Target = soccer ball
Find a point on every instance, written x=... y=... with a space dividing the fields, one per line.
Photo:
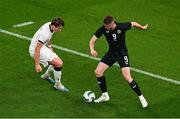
x=88 y=96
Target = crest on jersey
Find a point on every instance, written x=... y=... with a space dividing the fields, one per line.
x=107 y=31
x=118 y=31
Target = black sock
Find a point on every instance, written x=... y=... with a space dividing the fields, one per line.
x=102 y=83
x=57 y=68
x=135 y=87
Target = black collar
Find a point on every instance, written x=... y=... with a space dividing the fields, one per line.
x=50 y=29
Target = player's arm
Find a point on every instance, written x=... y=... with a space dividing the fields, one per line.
x=38 y=67
x=91 y=46
x=137 y=25
x=49 y=45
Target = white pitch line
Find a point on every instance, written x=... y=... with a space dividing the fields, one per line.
x=93 y=58
x=23 y=24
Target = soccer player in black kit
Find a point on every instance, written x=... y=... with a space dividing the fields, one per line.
x=115 y=36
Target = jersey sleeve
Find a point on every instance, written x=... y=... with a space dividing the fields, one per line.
x=126 y=26
x=99 y=32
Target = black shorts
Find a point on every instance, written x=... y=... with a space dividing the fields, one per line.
x=110 y=58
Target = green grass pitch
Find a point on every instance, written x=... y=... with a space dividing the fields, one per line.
x=156 y=50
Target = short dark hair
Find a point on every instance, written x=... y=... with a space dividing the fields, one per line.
x=57 y=22
x=108 y=19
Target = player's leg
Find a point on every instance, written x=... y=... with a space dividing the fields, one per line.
x=58 y=64
x=99 y=72
x=124 y=63
x=49 y=57
x=48 y=71
x=106 y=62
x=47 y=74
x=134 y=85
x=127 y=76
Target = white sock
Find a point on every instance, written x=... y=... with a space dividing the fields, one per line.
x=141 y=97
x=49 y=70
x=57 y=76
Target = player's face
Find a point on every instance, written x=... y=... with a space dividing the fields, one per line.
x=109 y=26
x=57 y=29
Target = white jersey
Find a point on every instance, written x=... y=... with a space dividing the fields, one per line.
x=43 y=35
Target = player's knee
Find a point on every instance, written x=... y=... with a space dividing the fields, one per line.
x=58 y=63
x=98 y=73
x=127 y=77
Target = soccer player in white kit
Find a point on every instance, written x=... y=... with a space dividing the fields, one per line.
x=41 y=50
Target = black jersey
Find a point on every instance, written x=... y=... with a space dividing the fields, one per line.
x=116 y=37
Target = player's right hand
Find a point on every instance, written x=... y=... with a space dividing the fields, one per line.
x=94 y=53
x=38 y=68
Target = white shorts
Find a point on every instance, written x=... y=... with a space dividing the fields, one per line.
x=46 y=55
